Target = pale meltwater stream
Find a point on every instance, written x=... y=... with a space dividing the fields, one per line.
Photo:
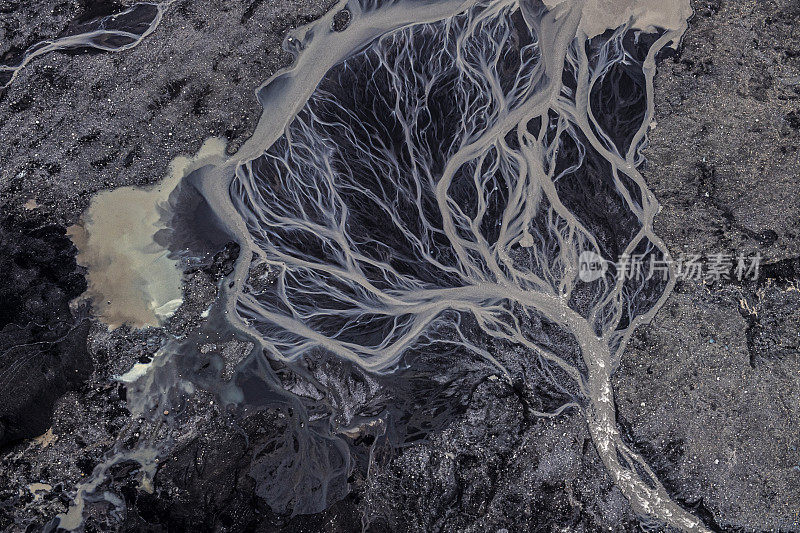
x=429 y=176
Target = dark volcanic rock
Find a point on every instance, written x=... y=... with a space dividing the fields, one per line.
x=491 y=468
x=496 y=469
x=211 y=483
x=42 y=346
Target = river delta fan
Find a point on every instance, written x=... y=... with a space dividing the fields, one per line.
x=427 y=179
x=454 y=171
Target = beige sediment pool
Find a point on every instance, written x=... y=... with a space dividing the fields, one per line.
x=132 y=280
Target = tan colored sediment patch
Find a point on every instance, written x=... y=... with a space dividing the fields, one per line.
x=45 y=439
x=39 y=490
x=131 y=278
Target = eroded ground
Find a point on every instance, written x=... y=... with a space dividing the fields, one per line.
x=709 y=392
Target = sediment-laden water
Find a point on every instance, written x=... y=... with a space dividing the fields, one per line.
x=424 y=183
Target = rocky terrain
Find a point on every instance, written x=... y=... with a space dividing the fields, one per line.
x=708 y=393
x=711 y=386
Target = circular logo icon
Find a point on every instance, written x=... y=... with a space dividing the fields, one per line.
x=591 y=266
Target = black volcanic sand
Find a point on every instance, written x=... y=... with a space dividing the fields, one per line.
x=75 y=123
x=709 y=391
x=727 y=182
x=42 y=345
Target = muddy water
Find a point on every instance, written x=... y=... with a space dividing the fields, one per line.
x=426 y=180
x=649 y=15
x=132 y=279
